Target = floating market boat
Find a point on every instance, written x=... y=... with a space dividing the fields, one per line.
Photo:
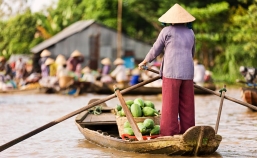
x=249 y=95
x=30 y=88
x=104 y=88
x=107 y=88
x=103 y=130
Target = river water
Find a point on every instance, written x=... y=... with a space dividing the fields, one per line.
x=22 y=113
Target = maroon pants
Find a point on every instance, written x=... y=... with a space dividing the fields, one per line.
x=177 y=100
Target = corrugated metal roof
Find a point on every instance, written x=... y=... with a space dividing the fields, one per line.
x=70 y=30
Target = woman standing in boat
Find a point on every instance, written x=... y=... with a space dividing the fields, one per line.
x=178 y=42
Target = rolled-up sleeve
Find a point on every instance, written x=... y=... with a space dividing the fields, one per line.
x=157 y=48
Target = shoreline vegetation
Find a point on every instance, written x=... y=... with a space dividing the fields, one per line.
x=224 y=33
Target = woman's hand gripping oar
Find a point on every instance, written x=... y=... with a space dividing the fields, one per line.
x=213 y=92
x=50 y=124
x=128 y=114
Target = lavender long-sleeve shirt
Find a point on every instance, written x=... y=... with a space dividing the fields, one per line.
x=179 y=44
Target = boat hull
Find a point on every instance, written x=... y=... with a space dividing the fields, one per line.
x=186 y=144
x=249 y=95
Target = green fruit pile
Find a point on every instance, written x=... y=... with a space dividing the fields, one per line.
x=138 y=108
x=146 y=128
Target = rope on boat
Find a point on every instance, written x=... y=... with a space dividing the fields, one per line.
x=97 y=110
x=222 y=90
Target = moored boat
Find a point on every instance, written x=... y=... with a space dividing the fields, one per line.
x=249 y=95
x=104 y=88
x=103 y=130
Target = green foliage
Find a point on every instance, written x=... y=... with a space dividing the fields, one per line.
x=17 y=34
x=241 y=47
x=225 y=30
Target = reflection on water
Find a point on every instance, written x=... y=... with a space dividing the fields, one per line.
x=22 y=113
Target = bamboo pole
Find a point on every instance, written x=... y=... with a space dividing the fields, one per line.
x=128 y=114
x=213 y=92
x=119 y=29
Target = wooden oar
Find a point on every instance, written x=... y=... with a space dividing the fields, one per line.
x=128 y=114
x=50 y=124
x=215 y=93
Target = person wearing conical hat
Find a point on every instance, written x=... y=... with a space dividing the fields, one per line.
x=74 y=62
x=60 y=62
x=44 y=69
x=106 y=62
x=50 y=80
x=177 y=41
x=87 y=75
x=51 y=67
x=119 y=73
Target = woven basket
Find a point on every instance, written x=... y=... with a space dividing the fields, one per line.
x=121 y=120
x=65 y=81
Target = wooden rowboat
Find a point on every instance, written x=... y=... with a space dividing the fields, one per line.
x=249 y=95
x=102 y=130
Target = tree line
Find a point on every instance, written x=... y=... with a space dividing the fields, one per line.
x=225 y=30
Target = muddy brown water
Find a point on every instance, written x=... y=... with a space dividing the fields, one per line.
x=22 y=113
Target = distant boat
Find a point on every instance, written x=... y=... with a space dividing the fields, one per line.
x=107 y=88
x=249 y=95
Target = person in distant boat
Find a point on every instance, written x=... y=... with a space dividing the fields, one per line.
x=60 y=62
x=135 y=77
x=74 y=63
x=5 y=68
x=199 y=72
x=87 y=75
x=19 y=69
x=44 y=56
x=106 y=62
x=250 y=75
x=120 y=72
x=50 y=80
x=177 y=40
x=105 y=71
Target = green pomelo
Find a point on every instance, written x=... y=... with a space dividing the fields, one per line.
x=136 y=110
x=128 y=131
x=148 y=111
x=140 y=102
x=126 y=125
x=129 y=102
x=155 y=130
x=118 y=107
x=149 y=123
x=149 y=104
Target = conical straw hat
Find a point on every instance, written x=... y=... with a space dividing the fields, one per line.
x=176 y=14
x=49 y=61
x=106 y=61
x=45 y=53
x=76 y=53
x=60 y=60
x=118 y=61
x=86 y=70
